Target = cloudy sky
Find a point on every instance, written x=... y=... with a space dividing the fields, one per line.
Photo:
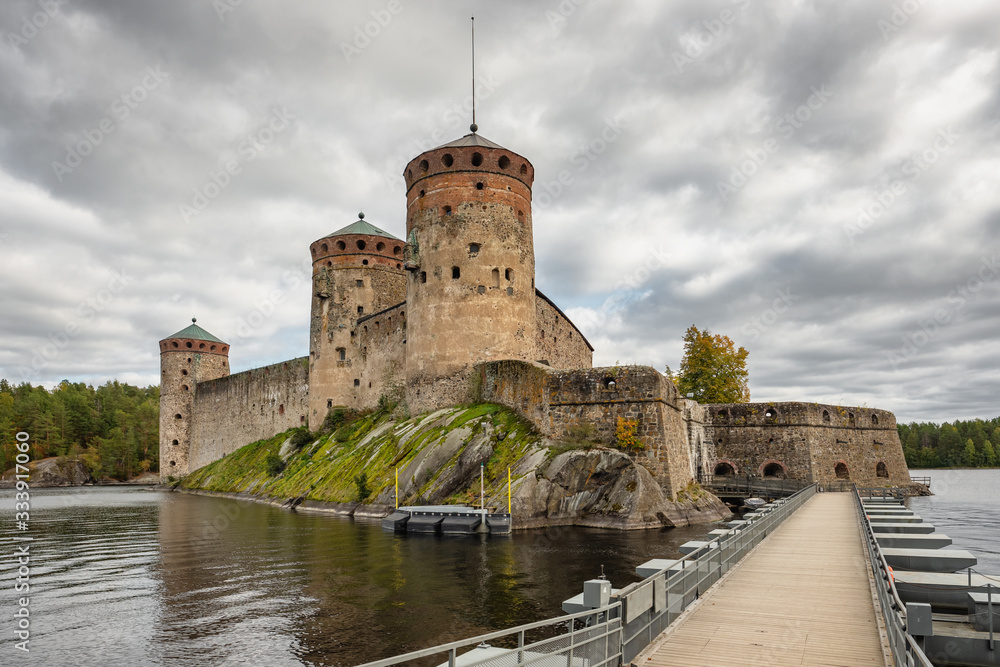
x=817 y=180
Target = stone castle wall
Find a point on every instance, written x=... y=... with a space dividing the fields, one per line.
x=586 y=404
x=559 y=344
x=232 y=411
x=381 y=341
x=806 y=441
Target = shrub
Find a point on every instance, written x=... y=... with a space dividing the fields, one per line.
x=361 y=481
x=336 y=418
x=301 y=438
x=273 y=464
x=625 y=435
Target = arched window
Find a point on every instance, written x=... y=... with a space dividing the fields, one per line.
x=496 y=277
x=881 y=470
x=724 y=469
x=841 y=471
x=774 y=469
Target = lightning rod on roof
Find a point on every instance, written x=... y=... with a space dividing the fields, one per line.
x=473 y=127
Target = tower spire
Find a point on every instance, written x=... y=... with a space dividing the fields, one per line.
x=473 y=127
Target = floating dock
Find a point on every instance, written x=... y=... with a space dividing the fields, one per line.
x=446 y=520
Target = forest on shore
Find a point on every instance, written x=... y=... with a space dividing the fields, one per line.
x=114 y=429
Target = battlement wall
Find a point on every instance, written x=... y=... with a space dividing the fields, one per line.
x=806 y=441
x=559 y=343
x=587 y=403
x=233 y=411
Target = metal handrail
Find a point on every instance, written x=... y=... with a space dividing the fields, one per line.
x=905 y=650
x=452 y=647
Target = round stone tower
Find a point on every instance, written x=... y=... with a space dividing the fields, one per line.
x=471 y=289
x=190 y=356
x=357 y=272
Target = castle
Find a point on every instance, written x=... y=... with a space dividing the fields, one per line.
x=452 y=315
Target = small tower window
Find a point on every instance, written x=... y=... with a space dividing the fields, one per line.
x=324 y=247
x=178 y=416
x=477 y=159
x=184 y=371
x=380 y=246
x=424 y=166
x=360 y=283
x=473 y=248
x=447 y=210
x=456 y=273
x=508 y=274
x=361 y=310
x=479 y=185
x=496 y=277
x=342 y=353
x=481 y=289
x=329 y=403
x=357 y=382
x=175 y=442
x=397 y=250
x=341 y=245
x=447 y=159
x=524 y=169
x=364 y=262
x=361 y=244
x=503 y=162
x=423 y=276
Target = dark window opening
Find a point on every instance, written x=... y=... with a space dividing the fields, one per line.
x=481 y=289
x=360 y=283
x=447 y=159
x=874 y=419
x=771 y=413
x=503 y=162
x=175 y=442
x=881 y=470
x=361 y=244
x=723 y=413
x=479 y=185
x=342 y=353
x=609 y=383
x=455 y=273
x=178 y=416
x=473 y=248
x=524 y=169
x=724 y=469
x=357 y=382
x=361 y=310
x=841 y=471
x=341 y=245
x=826 y=415
x=423 y=276
x=329 y=403
x=508 y=274
x=424 y=165
x=447 y=210
x=281 y=409
x=774 y=470
x=172 y=464
x=364 y=262
x=477 y=159
x=380 y=246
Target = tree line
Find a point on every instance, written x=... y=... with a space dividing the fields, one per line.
x=114 y=429
x=974 y=444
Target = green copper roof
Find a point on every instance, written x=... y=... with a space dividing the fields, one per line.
x=362 y=227
x=195 y=332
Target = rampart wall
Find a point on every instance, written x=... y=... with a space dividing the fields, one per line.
x=559 y=344
x=235 y=410
x=382 y=346
x=806 y=441
x=571 y=404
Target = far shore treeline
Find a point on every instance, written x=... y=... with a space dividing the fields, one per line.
x=114 y=429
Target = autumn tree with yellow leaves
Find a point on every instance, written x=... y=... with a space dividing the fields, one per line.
x=713 y=369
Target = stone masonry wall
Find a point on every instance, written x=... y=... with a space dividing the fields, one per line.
x=559 y=343
x=381 y=341
x=574 y=403
x=807 y=441
x=233 y=411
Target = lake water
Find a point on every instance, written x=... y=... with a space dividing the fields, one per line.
x=136 y=577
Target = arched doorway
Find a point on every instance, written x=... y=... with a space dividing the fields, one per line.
x=724 y=469
x=841 y=471
x=881 y=470
x=773 y=469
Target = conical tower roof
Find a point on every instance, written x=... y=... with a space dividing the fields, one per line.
x=195 y=332
x=359 y=226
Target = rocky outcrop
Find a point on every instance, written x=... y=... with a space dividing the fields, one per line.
x=440 y=458
x=59 y=471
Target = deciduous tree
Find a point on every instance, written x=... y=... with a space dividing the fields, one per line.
x=713 y=369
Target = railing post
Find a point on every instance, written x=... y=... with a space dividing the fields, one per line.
x=989 y=610
x=520 y=647
x=452 y=655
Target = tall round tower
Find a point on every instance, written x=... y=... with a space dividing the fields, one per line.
x=471 y=289
x=190 y=356
x=357 y=271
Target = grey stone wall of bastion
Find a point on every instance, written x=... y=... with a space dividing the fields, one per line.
x=233 y=411
x=557 y=400
x=807 y=441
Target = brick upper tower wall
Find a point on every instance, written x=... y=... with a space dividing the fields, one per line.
x=470 y=292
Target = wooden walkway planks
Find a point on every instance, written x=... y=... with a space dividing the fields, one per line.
x=802 y=598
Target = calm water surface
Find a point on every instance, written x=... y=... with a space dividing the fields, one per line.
x=135 y=577
x=138 y=577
